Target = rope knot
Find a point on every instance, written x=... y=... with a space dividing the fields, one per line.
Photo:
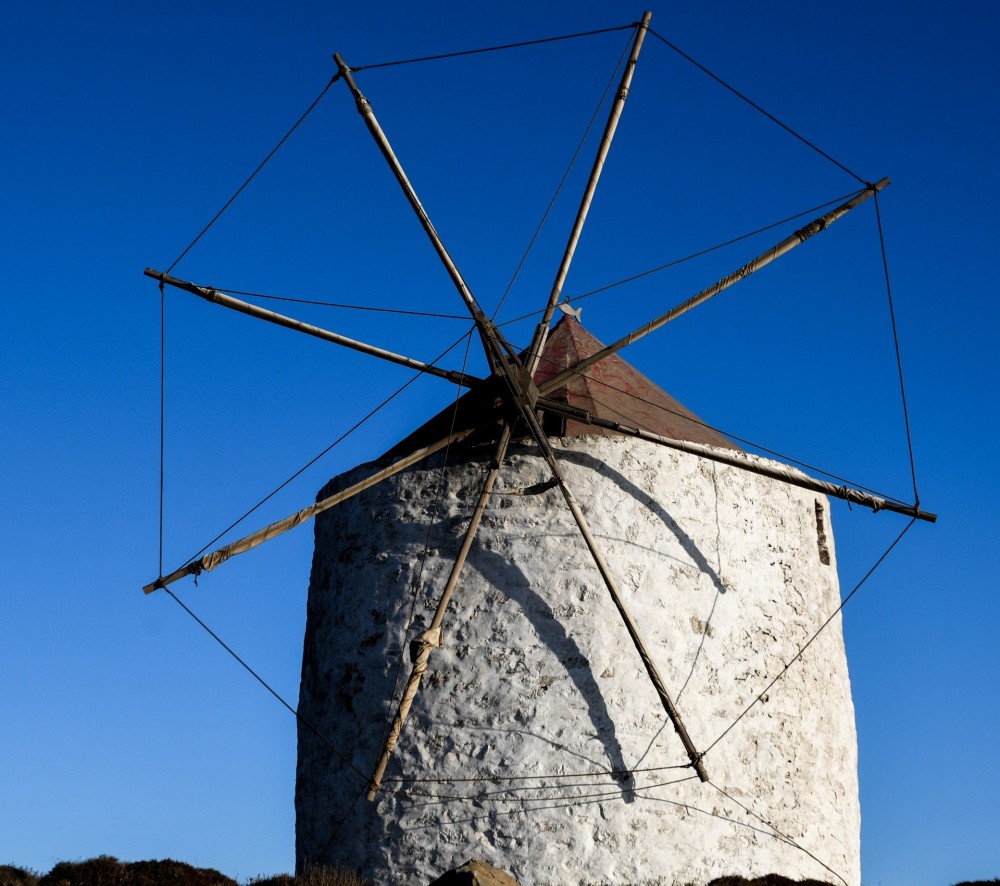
x=421 y=645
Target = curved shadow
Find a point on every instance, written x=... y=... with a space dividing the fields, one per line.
x=499 y=572
x=585 y=460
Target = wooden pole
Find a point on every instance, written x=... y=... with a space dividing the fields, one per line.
x=542 y=331
x=365 y=109
x=745 y=462
x=432 y=636
x=227 y=301
x=523 y=394
x=765 y=258
x=247 y=543
x=528 y=414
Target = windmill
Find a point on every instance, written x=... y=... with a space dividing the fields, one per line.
x=526 y=439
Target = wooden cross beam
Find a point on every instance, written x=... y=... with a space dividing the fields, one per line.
x=523 y=401
x=235 y=304
x=522 y=394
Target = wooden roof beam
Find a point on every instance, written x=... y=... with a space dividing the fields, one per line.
x=235 y=304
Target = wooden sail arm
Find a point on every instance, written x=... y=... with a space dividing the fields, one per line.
x=755 y=264
x=272 y=530
x=487 y=330
x=526 y=409
x=743 y=461
x=227 y=301
x=617 y=107
x=431 y=638
x=501 y=355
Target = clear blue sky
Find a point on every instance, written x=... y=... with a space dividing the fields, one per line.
x=125 y=729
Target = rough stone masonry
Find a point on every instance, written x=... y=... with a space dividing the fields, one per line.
x=536 y=742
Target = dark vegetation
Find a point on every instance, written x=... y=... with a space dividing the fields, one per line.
x=108 y=871
x=768 y=880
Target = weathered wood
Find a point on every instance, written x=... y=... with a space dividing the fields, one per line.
x=432 y=636
x=745 y=462
x=765 y=258
x=227 y=301
x=247 y=543
x=522 y=395
x=381 y=140
x=617 y=106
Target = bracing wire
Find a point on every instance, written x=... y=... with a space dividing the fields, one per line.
x=899 y=359
x=723 y=245
x=342 y=757
x=562 y=181
x=645 y=792
x=757 y=107
x=253 y=174
x=679 y=261
x=464 y=52
x=783 y=836
x=349 y=307
x=528 y=804
x=757 y=446
x=163 y=397
x=364 y=419
x=490 y=796
x=809 y=642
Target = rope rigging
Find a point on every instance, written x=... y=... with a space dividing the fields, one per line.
x=349 y=307
x=495 y=777
x=521 y=785
x=644 y=792
x=758 y=108
x=467 y=52
x=562 y=181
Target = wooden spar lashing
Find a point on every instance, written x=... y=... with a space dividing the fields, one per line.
x=542 y=330
x=521 y=397
x=272 y=530
x=432 y=636
x=755 y=264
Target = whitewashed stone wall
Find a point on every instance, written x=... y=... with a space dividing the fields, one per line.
x=725 y=573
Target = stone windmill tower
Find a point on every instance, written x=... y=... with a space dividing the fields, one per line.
x=538 y=741
x=545 y=628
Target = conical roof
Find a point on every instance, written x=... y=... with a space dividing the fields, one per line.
x=610 y=389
